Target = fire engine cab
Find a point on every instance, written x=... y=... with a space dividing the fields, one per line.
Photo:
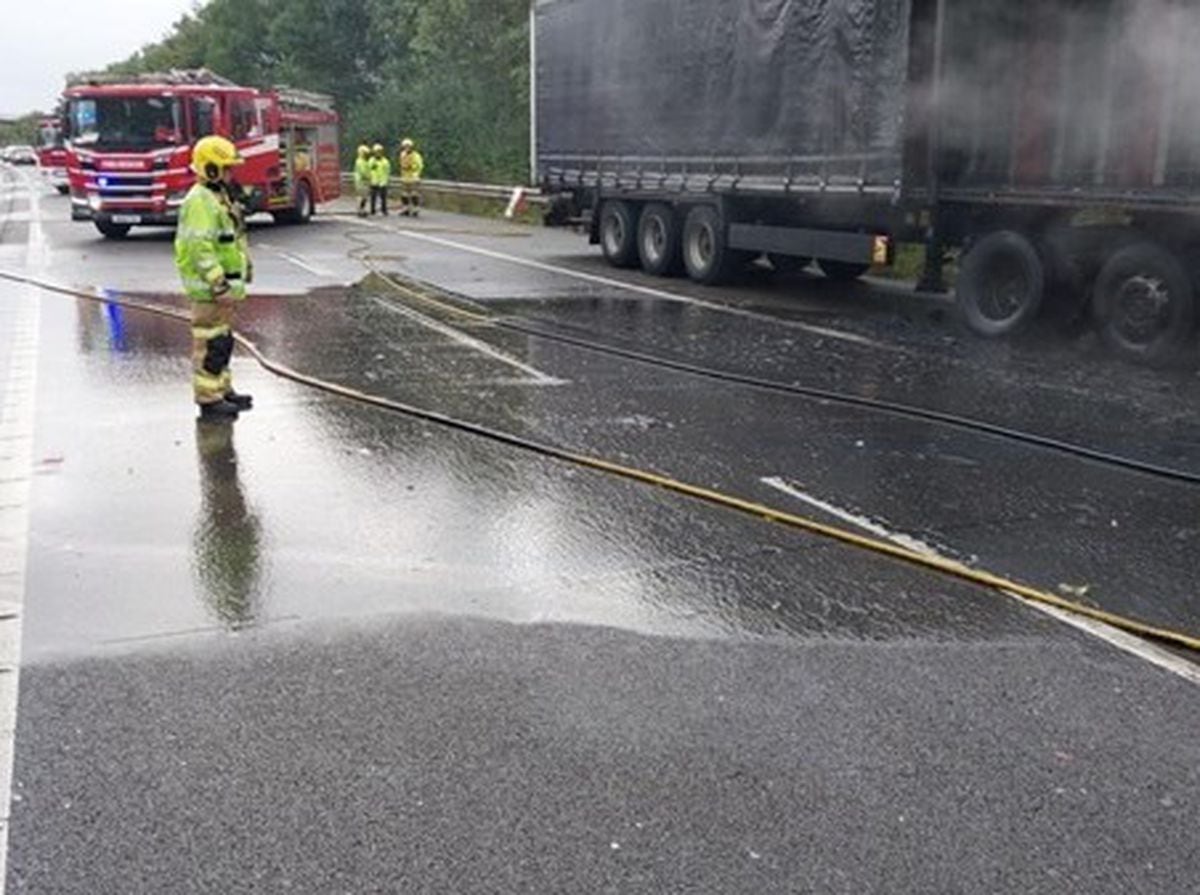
x=52 y=154
x=129 y=142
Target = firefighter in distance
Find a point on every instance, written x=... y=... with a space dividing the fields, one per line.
x=362 y=178
x=412 y=164
x=381 y=175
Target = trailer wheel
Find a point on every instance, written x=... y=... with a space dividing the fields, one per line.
x=111 y=230
x=618 y=233
x=706 y=255
x=1144 y=303
x=1001 y=284
x=842 y=271
x=659 y=240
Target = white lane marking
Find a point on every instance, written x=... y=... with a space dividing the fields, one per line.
x=539 y=378
x=914 y=544
x=314 y=269
x=630 y=287
x=16 y=478
x=1122 y=640
x=38 y=253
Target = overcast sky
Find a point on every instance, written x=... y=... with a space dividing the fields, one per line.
x=40 y=44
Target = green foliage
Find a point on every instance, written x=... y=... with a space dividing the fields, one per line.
x=21 y=130
x=451 y=74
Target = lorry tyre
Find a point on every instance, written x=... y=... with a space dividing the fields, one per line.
x=842 y=271
x=706 y=255
x=659 y=240
x=618 y=233
x=1144 y=303
x=1001 y=284
x=111 y=230
x=788 y=265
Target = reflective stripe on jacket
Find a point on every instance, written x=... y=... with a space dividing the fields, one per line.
x=208 y=245
x=411 y=166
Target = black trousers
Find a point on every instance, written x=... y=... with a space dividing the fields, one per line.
x=379 y=194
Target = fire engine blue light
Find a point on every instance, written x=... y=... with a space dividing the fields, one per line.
x=103 y=181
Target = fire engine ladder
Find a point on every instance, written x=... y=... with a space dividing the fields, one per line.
x=173 y=77
x=304 y=99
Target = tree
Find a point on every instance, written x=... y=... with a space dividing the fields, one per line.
x=21 y=130
x=452 y=74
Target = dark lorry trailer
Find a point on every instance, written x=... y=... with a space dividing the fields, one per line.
x=1055 y=142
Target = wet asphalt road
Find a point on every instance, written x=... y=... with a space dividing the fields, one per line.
x=338 y=650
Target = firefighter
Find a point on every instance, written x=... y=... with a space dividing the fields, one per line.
x=381 y=174
x=362 y=178
x=411 y=166
x=211 y=254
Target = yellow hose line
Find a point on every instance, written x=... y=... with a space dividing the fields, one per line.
x=473 y=316
x=933 y=563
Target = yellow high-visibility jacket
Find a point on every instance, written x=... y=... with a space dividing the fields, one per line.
x=209 y=246
x=381 y=171
x=362 y=174
x=411 y=166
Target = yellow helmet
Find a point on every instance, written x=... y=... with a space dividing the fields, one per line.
x=364 y=150
x=212 y=155
x=406 y=143
x=378 y=147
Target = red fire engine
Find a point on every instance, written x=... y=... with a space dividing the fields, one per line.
x=129 y=142
x=52 y=154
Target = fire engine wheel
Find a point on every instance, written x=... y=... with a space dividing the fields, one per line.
x=1001 y=284
x=304 y=204
x=842 y=271
x=618 y=233
x=659 y=240
x=302 y=212
x=111 y=230
x=1145 y=304
x=63 y=190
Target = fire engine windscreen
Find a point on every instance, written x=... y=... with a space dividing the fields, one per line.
x=125 y=123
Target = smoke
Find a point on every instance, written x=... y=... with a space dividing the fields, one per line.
x=1090 y=93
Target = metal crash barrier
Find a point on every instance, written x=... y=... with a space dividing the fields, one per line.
x=496 y=192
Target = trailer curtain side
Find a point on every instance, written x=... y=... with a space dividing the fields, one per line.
x=763 y=90
x=1087 y=100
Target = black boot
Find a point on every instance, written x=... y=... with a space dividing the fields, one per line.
x=241 y=402
x=219 y=410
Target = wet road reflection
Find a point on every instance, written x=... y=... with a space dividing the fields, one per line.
x=227 y=554
x=151 y=530
x=997 y=502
